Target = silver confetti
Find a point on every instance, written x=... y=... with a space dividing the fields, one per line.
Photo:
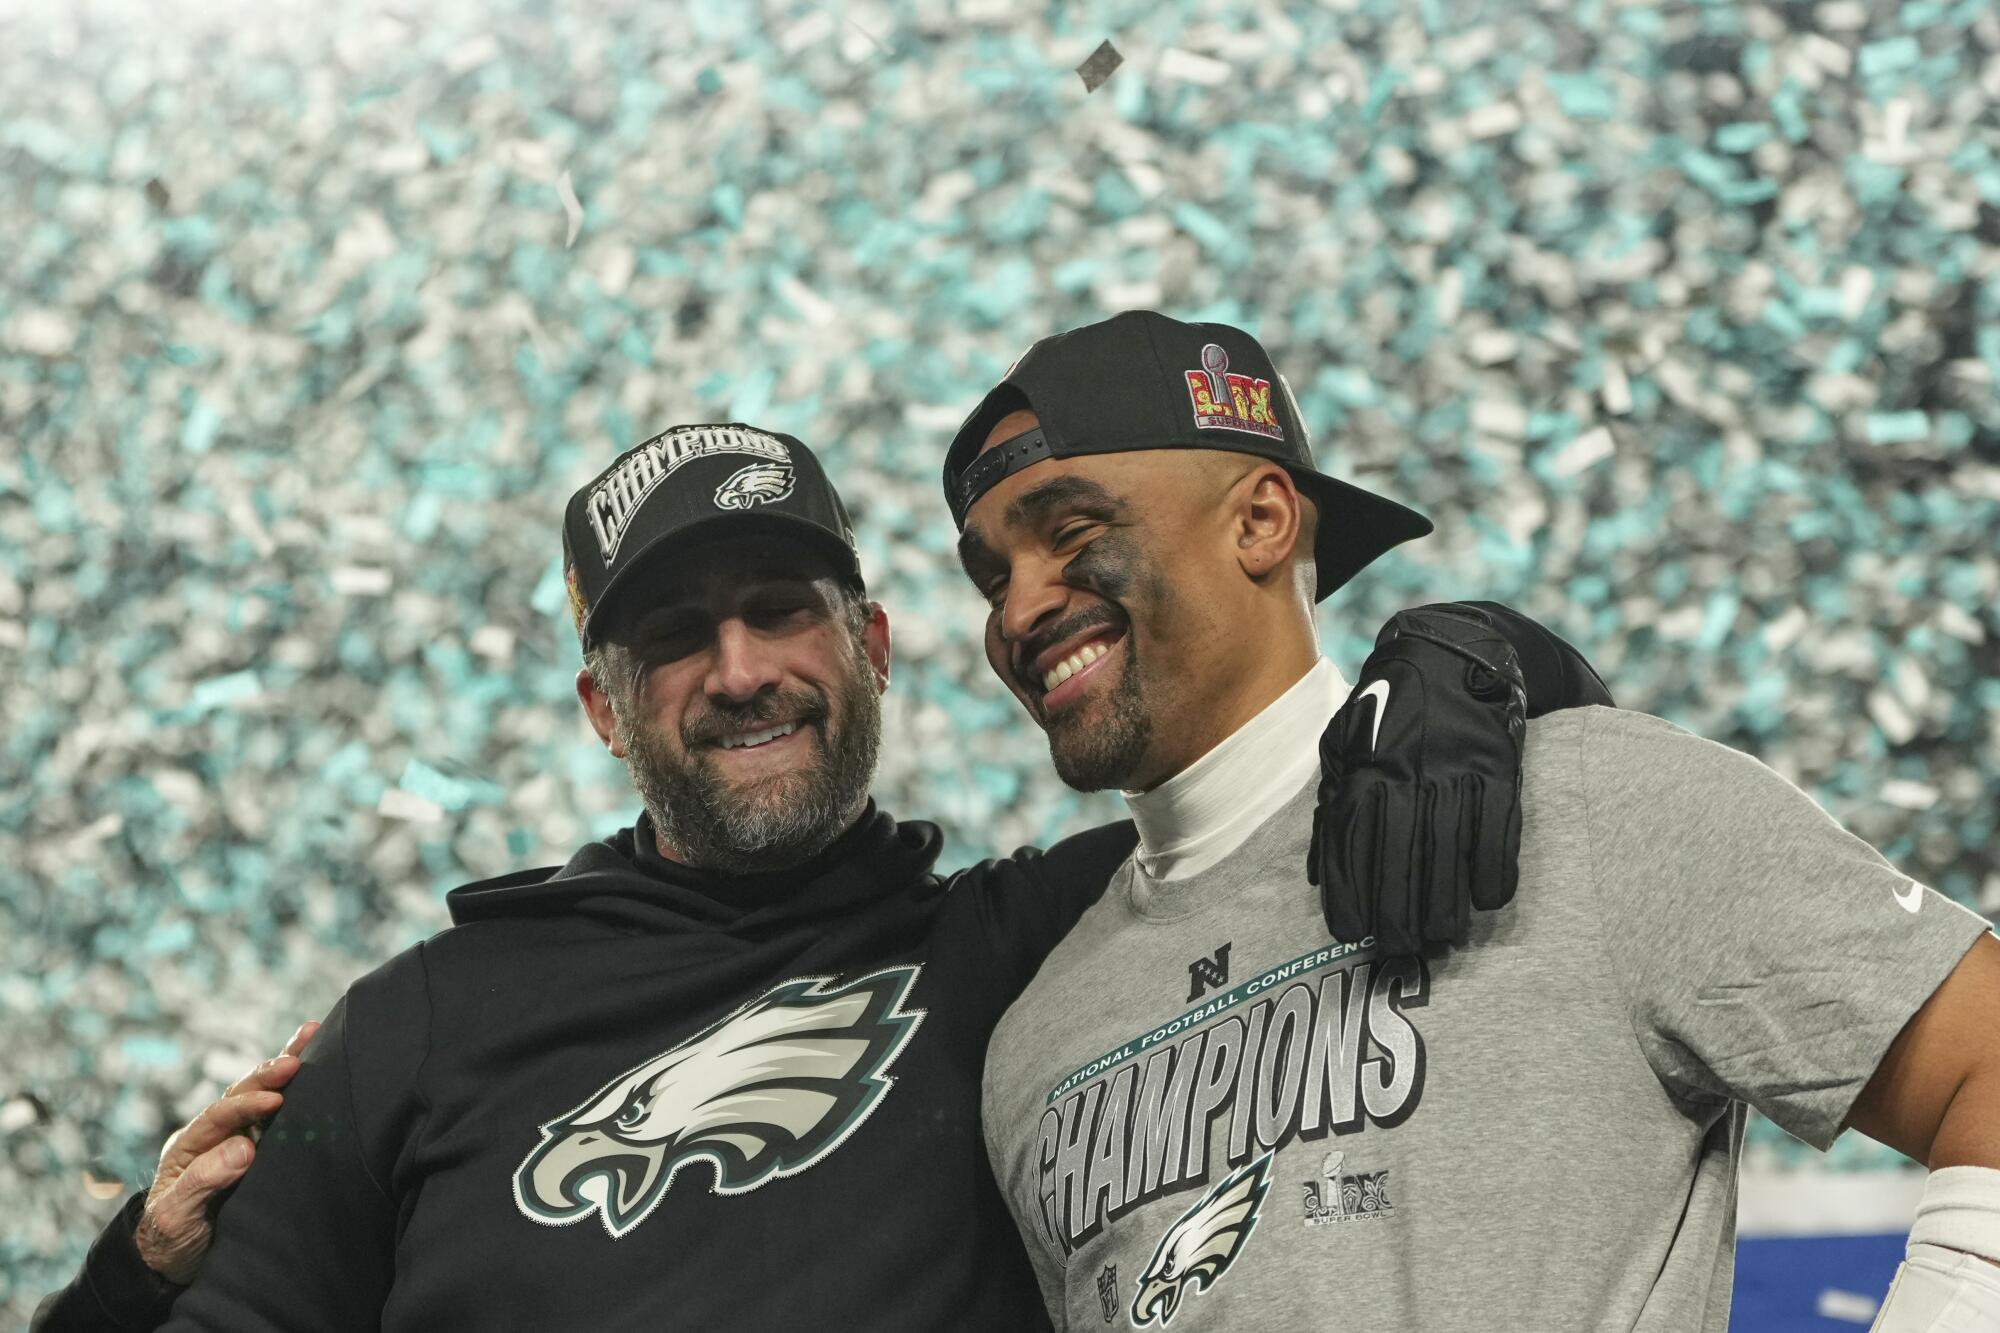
x=1101 y=65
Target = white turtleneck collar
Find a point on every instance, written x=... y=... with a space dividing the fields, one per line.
x=1203 y=813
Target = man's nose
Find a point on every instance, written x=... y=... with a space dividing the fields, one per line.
x=1034 y=595
x=744 y=666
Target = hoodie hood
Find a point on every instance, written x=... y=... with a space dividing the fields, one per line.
x=624 y=882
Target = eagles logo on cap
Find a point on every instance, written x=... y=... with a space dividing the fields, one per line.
x=755 y=485
x=687 y=485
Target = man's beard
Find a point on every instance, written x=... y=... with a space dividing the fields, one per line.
x=1099 y=747
x=769 y=823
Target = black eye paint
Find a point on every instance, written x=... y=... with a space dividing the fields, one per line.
x=1107 y=566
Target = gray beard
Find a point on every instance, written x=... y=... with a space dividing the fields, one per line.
x=779 y=822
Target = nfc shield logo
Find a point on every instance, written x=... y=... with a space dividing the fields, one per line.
x=1206 y=974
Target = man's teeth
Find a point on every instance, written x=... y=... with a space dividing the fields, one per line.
x=1072 y=664
x=758 y=737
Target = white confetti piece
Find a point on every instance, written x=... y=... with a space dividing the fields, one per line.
x=1826 y=53
x=17 y=1113
x=99 y=829
x=533 y=158
x=1593 y=446
x=409 y=807
x=1857 y=284
x=42 y=332
x=1492 y=120
x=1189 y=67
x=1489 y=347
x=1781 y=633
x=1954 y=621
x=1907 y=795
x=402 y=159
x=933 y=418
x=1890 y=715
x=1500 y=416
x=1450 y=296
x=359 y=580
x=495 y=643
x=571 y=208
x=1617 y=390
x=812 y=308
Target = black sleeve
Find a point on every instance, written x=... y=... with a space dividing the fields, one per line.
x=1556 y=674
x=307 y=1240
x=114 y=1291
x=1028 y=901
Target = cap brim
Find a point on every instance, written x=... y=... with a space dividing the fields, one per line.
x=1355 y=526
x=647 y=561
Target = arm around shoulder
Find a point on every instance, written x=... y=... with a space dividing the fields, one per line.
x=114 y=1291
x=307 y=1241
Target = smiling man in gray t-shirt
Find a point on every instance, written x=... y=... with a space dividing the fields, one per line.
x=1205 y=1112
x=1538 y=1131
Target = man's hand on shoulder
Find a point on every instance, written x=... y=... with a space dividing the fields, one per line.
x=205 y=1157
x=1419 y=814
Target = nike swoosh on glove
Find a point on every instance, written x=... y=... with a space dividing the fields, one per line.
x=1419 y=814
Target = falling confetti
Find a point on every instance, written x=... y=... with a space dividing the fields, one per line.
x=571 y=207
x=1101 y=65
x=1680 y=322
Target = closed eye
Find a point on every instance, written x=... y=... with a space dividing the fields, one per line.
x=1072 y=534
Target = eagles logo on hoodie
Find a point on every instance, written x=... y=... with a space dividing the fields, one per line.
x=767 y=1092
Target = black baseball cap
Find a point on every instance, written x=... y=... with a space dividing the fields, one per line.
x=688 y=484
x=1141 y=380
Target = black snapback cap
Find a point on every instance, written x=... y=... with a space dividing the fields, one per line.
x=1142 y=380
x=687 y=484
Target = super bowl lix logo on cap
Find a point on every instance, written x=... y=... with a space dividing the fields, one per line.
x=1223 y=401
x=614 y=500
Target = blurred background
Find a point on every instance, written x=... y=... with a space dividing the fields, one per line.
x=1681 y=319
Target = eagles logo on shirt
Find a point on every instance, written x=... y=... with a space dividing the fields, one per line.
x=1201 y=1245
x=763 y=1094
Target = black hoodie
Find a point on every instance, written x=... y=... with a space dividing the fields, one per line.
x=629 y=1095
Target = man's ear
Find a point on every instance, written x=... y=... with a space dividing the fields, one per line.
x=597 y=707
x=875 y=642
x=1266 y=523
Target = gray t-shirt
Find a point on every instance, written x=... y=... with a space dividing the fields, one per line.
x=1204 y=1112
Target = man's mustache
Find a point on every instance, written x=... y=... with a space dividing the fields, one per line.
x=1025 y=653
x=711 y=724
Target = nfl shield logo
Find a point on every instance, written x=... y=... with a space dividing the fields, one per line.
x=1107 y=1291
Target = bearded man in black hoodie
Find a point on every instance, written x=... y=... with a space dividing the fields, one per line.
x=721 y=1069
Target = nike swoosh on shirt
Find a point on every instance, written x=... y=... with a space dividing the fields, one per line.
x=1911 y=900
x=1379 y=689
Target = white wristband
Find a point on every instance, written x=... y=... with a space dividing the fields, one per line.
x=1960 y=1210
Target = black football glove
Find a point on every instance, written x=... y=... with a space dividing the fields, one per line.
x=1419 y=814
